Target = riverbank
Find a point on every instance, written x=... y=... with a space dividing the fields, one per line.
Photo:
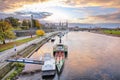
x=115 y=33
x=9 y=45
x=112 y=32
x=26 y=52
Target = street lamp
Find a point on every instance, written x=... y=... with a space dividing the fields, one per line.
x=31 y=25
x=31 y=21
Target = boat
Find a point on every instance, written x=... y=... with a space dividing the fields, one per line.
x=60 y=48
x=60 y=59
x=60 y=53
x=61 y=34
x=49 y=67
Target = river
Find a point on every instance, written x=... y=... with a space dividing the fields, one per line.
x=90 y=57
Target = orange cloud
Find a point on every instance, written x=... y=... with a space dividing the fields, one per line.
x=11 y=5
x=84 y=3
x=108 y=18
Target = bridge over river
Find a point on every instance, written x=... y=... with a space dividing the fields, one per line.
x=90 y=57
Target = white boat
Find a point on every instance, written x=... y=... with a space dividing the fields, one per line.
x=49 y=68
x=60 y=53
x=60 y=48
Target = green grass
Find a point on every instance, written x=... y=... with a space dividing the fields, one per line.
x=114 y=32
x=18 y=70
x=17 y=43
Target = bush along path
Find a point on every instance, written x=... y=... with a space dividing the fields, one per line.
x=18 y=67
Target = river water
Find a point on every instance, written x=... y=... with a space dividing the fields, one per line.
x=90 y=57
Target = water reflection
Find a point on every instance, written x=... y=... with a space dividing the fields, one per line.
x=91 y=57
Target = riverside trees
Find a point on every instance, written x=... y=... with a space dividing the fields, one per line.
x=5 y=31
x=13 y=21
x=9 y=23
x=37 y=24
x=40 y=32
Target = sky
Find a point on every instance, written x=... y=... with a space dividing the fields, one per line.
x=73 y=11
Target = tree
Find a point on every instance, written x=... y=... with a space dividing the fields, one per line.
x=40 y=32
x=37 y=24
x=29 y=23
x=5 y=31
x=13 y=21
x=25 y=24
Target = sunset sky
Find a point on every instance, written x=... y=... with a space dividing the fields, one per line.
x=73 y=11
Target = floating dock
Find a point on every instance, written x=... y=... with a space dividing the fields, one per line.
x=25 y=60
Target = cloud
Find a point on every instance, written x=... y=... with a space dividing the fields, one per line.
x=86 y=3
x=26 y=15
x=86 y=11
x=114 y=17
x=11 y=5
x=104 y=18
x=107 y=18
x=35 y=14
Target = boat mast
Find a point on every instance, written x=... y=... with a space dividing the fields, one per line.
x=60 y=40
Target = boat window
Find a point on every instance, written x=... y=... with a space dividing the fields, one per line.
x=60 y=47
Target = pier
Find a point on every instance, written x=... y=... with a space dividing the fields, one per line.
x=26 y=60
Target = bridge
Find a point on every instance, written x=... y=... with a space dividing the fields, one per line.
x=26 y=60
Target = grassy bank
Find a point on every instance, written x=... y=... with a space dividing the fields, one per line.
x=17 y=43
x=6 y=73
x=18 y=69
x=114 y=32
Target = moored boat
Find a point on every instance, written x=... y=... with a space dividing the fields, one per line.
x=60 y=48
x=60 y=59
x=60 y=53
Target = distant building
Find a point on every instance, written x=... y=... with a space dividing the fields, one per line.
x=57 y=26
x=20 y=33
x=76 y=28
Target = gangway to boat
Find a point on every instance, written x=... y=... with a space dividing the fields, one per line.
x=25 y=60
x=48 y=64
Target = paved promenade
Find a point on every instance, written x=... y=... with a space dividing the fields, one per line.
x=7 y=53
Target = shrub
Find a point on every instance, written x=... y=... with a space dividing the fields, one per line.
x=19 y=64
x=40 y=33
x=19 y=68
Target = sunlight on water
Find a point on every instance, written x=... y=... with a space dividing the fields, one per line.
x=90 y=57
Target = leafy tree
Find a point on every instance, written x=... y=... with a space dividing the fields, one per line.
x=40 y=32
x=37 y=24
x=13 y=21
x=29 y=23
x=5 y=31
x=25 y=24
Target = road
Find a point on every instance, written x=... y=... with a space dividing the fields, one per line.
x=18 y=38
x=91 y=57
x=7 y=53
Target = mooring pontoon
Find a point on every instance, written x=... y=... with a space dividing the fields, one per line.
x=49 y=68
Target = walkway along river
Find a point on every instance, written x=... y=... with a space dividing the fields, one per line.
x=90 y=57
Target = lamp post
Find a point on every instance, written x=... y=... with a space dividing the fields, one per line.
x=31 y=20
x=31 y=25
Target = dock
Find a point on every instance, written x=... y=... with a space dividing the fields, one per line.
x=26 y=60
